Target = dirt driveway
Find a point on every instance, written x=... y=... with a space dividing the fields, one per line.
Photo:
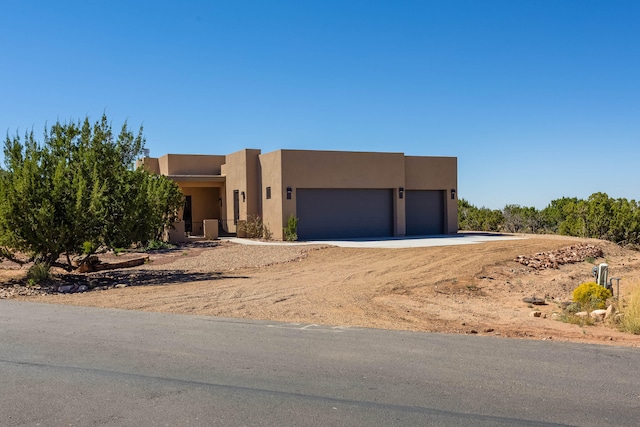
x=469 y=289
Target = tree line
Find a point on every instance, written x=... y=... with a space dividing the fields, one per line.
x=599 y=216
x=78 y=190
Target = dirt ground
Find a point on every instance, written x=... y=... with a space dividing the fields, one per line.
x=466 y=289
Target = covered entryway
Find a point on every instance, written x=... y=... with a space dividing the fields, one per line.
x=325 y=213
x=424 y=212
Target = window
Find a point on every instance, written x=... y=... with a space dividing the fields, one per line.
x=268 y=192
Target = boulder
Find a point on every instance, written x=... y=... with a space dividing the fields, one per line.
x=598 y=314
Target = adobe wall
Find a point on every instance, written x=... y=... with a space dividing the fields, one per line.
x=271 y=176
x=241 y=170
x=436 y=173
x=191 y=164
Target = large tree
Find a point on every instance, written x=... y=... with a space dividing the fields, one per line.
x=79 y=189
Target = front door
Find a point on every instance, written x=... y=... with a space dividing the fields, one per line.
x=236 y=206
x=186 y=216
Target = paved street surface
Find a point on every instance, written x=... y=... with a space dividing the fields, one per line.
x=74 y=366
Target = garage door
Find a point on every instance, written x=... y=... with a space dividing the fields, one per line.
x=344 y=213
x=424 y=212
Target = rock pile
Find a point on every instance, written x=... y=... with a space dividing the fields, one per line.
x=568 y=255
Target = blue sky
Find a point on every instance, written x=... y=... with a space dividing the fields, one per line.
x=537 y=99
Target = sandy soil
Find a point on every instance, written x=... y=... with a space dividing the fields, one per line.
x=469 y=289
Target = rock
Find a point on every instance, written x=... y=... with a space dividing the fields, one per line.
x=582 y=314
x=83 y=288
x=121 y=285
x=610 y=312
x=473 y=331
x=555 y=315
x=553 y=259
x=65 y=289
x=487 y=330
x=598 y=314
x=534 y=301
x=535 y=314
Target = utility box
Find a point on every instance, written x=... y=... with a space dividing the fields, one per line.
x=603 y=275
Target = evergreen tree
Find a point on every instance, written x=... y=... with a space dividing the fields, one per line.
x=79 y=187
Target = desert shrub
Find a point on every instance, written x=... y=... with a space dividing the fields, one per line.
x=591 y=295
x=255 y=229
x=154 y=245
x=631 y=319
x=89 y=248
x=38 y=273
x=576 y=320
x=291 y=230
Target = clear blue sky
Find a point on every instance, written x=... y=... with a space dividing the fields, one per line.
x=537 y=99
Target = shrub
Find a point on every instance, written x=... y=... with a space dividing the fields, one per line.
x=291 y=230
x=631 y=319
x=38 y=273
x=591 y=295
x=154 y=245
x=89 y=248
x=255 y=228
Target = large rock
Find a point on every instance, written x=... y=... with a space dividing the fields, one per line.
x=598 y=315
x=611 y=310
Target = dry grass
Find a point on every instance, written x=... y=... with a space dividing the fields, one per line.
x=631 y=309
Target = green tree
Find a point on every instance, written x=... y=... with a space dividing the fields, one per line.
x=478 y=219
x=79 y=186
x=554 y=214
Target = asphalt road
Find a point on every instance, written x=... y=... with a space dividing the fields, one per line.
x=74 y=366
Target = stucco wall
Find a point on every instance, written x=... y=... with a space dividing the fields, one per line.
x=150 y=164
x=204 y=203
x=343 y=169
x=436 y=173
x=191 y=164
x=271 y=176
x=241 y=170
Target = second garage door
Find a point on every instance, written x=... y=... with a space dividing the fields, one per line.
x=424 y=212
x=325 y=213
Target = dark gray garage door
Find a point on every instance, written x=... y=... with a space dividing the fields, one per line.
x=344 y=213
x=424 y=212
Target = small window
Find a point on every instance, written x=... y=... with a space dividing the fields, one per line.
x=268 y=192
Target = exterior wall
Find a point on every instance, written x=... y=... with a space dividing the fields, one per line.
x=242 y=174
x=204 y=203
x=211 y=181
x=150 y=164
x=271 y=176
x=190 y=164
x=342 y=169
x=436 y=173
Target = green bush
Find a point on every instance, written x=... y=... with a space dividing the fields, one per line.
x=291 y=230
x=89 y=248
x=154 y=245
x=591 y=295
x=38 y=273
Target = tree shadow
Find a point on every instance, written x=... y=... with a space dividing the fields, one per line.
x=139 y=278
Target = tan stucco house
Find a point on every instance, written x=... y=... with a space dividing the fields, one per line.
x=334 y=194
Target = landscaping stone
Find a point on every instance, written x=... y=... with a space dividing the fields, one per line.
x=598 y=314
x=553 y=259
x=65 y=289
x=535 y=314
